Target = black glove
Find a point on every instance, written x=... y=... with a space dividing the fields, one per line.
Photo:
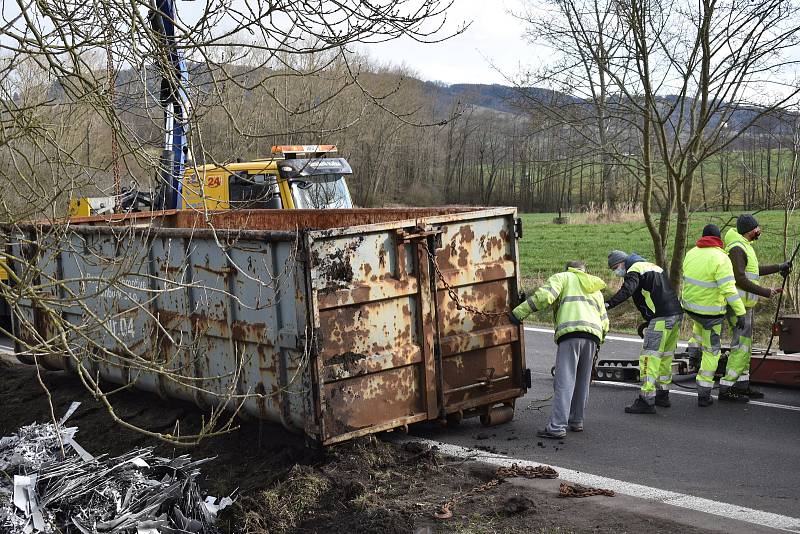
x=514 y=320
x=785 y=268
x=642 y=328
x=740 y=322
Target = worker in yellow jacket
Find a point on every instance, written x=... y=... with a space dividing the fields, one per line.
x=708 y=290
x=735 y=385
x=581 y=324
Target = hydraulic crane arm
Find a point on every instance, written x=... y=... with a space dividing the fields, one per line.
x=175 y=103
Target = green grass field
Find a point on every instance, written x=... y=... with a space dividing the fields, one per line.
x=546 y=247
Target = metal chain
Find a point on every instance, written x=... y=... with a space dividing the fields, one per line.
x=452 y=292
x=577 y=490
x=445 y=511
x=540 y=471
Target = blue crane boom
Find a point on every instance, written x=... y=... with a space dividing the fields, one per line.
x=175 y=103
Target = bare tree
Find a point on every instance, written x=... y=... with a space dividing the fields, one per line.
x=696 y=71
x=79 y=97
x=587 y=40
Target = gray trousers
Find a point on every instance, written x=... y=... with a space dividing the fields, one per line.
x=571 y=385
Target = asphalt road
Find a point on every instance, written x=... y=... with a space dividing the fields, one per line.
x=746 y=455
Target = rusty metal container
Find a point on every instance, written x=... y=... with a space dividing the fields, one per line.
x=333 y=323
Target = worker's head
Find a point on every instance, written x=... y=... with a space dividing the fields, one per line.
x=748 y=227
x=711 y=230
x=616 y=262
x=576 y=264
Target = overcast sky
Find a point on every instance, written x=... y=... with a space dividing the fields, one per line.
x=495 y=36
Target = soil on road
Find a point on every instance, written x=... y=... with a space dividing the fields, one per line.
x=748 y=455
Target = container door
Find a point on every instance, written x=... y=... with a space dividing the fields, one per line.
x=476 y=286
x=410 y=321
x=374 y=333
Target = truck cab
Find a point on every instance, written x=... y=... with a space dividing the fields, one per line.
x=296 y=177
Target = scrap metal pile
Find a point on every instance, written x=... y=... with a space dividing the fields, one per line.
x=76 y=493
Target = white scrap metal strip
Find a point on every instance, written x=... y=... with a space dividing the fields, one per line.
x=681 y=500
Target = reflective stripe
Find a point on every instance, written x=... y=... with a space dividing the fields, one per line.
x=733 y=298
x=530 y=302
x=706 y=373
x=702 y=384
x=696 y=282
x=649 y=380
x=747 y=296
x=725 y=280
x=581 y=298
x=698 y=307
x=662 y=387
x=724 y=382
x=578 y=298
x=752 y=276
x=647 y=394
x=665 y=378
x=670 y=354
x=731 y=373
x=651 y=353
x=570 y=324
x=744 y=378
x=693 y=345
x=551 y=290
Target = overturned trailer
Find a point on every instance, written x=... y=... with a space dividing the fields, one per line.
x=333 y=323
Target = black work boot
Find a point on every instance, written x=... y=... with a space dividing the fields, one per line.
x=749 y=392
x=640 y=406
x=731 y=395
x=662 y=399
x=704 y=400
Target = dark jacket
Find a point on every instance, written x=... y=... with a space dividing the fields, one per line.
x=739 y=261
x=647 y=280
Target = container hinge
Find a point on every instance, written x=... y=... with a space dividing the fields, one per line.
x=526 y=378
x=419 y=232
x=518 y=227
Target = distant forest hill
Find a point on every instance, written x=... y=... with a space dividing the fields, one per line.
x=423 y=143
x=509 y=99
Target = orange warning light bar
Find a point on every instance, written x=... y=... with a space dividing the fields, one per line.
x=299 y=149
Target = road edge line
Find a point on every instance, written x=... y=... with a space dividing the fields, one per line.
x=647 y=493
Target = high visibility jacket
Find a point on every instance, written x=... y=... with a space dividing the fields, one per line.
x=576 y=301
x=708 y=283
x=735 y=239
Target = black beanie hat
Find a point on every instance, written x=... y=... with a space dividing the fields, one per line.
x=711 y=230
x=745 y=223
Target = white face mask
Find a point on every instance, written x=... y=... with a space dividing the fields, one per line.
x=620 y=271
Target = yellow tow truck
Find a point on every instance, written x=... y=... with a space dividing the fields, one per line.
x=295 y=177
